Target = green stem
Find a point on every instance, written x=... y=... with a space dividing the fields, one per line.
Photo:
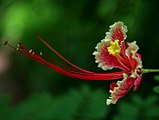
x=149 y=70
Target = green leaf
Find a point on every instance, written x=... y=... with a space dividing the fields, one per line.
x=156 y=89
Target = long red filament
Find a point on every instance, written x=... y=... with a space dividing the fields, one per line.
x=74 y=72
x=70 y=68
x=64 y=59
x=90 y=76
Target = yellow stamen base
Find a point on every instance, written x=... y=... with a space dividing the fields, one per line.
x=114 y=48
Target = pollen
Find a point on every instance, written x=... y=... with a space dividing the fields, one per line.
x=41 y=53
x=30 y=51
x=18 y=49
x=114 y=48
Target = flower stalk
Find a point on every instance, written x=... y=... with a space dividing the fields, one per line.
x=149 y=70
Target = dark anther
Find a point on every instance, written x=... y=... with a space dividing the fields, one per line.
x=19 y=43
x=5 y=42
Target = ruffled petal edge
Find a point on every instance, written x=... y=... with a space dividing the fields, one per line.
x=117 y=31
x=120 y=89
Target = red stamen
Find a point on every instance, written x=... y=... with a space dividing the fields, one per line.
x=59 y=55
x=123 y=62
x=62 y=65
x=75 y=73
x=80 y=75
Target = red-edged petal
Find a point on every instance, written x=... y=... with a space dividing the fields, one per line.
x=104 y=58
x=122 y=88
x=117 y=32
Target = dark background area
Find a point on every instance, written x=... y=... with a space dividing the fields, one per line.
x=30 y=91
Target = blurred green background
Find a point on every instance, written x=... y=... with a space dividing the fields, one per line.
x=30 y=91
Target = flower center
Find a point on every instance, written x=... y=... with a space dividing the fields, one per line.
x=114 y=48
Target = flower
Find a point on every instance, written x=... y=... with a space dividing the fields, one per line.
x=111 y=52
x=114 y=52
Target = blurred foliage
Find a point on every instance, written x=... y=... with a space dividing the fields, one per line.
x=29 y=91
x=156 y=78
x=156 y=88
x=138 y=108
x=79 y=104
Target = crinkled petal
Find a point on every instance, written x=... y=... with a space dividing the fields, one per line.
x=113 y=85
x=104 y=58
x=120 y=89
x=117 y=32
x=134 y=59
